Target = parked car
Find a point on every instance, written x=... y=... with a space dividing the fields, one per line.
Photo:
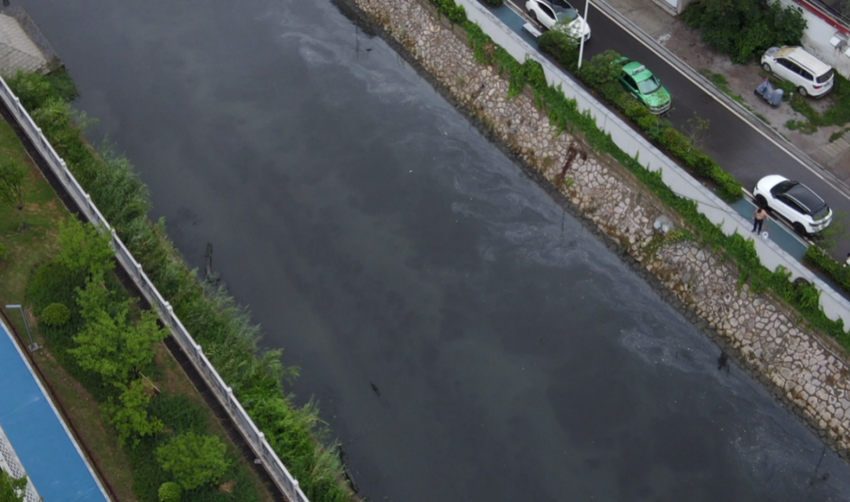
x=812 y=76
x=795 y=202
x=643 y=85
x=551 y=12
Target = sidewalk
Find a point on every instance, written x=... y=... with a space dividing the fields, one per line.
x=686 y=43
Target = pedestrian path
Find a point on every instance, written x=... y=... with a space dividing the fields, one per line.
x=39 y=439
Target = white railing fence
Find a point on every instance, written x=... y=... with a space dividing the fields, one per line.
x=257 y=441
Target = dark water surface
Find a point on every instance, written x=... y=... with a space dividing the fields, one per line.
x=381 y=240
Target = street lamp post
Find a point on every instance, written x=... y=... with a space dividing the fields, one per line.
x=33 y=345
x=581 y=33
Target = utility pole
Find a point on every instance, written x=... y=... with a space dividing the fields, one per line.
x=581 y=33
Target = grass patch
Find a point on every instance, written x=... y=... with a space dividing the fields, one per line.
x=837 y=113
x=720 y=81
x=838 y=134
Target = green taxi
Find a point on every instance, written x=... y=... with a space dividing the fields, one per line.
x=643 y=85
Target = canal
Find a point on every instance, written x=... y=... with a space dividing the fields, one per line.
x=466 y=339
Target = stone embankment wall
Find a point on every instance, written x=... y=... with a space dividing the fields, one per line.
x=801 y=368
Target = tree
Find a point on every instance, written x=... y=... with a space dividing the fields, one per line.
x=744 y=29
x=130 y=415
x=84 y=248
x=696 y=129
x=11 y=489
x=109 y=344
x=193 y=459
x=12 y=178
x=562 y=46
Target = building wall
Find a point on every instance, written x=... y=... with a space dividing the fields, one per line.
x=821 y=28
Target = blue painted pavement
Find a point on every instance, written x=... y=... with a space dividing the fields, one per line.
x=44 y=445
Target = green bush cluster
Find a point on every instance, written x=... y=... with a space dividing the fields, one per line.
x=107 y=345
x=600 y=74
x=564 y=114
x=55 y=314
x=193 y=459
x=838 y=113
x=12 y=489
x=744 y=29
x=170 y=492
x=216 y=322
x=453 y=11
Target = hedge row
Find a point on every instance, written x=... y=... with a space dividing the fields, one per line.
x=598 y=75
x=55 y=284
x=564 y=114
x=221 y=326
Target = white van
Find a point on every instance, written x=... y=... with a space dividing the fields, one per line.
x=812 y=76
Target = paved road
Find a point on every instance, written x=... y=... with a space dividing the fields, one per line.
x=733 y=142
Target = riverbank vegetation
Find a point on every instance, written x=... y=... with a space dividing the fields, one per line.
x=565 y=115
x=99 y=352
x=100 y=315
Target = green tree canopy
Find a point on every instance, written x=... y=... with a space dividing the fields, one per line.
x=84 y=248
x=744 y=29
x=130 y=414
x=109 y=344
x=193 y=459
x=11 y=489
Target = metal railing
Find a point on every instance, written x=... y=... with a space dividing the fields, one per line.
x=255 y=438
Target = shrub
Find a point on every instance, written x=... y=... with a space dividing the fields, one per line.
x=744 y=29
x=55 y=314
x=4 y=252
x=193 y=459
x=494 y=3
x=83 y=248
x=455 y=13
x=12 y=489
x=560 y=46
x=170 y=492
x=31 y=88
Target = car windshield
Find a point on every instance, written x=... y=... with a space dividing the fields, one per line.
x=565 y=13
x=649 y=85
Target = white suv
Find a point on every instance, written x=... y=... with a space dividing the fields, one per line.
x=812 y=76
x=795 y=202
x=551 y=12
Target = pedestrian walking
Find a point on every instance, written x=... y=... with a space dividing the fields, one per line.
x=759 y=218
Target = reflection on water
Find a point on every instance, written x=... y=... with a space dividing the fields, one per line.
x=381 y=240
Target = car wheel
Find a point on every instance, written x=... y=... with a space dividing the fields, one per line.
x=761 y=201
x=800 y=229
x=766 y=67
x=802 y=91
